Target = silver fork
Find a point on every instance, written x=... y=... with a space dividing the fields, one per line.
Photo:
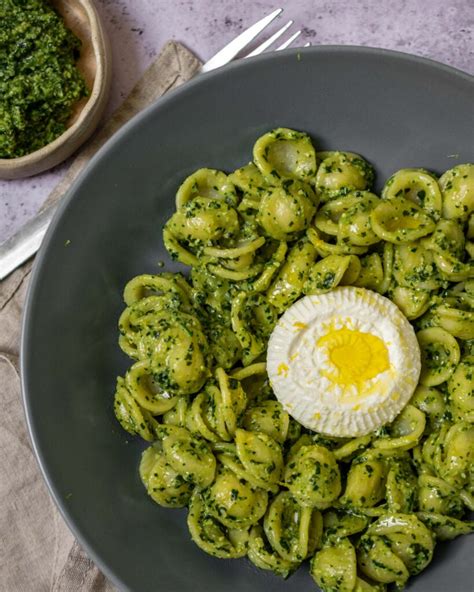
x=237 y=45
x=26 y=242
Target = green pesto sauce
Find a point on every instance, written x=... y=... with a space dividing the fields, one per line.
x=39 y=81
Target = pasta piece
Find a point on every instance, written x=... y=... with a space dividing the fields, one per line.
x=171 y=287
x=400 y=220
x=292 y=530
x=215 y=413
x=271 y=266
x=457 y=186
x=417 y=185
x=453 y=269
x=261 y=457
x=207 y=183
x=461 y=390
x=405 y=432
x=394 y=547
x=332 y=271
x=338 y=524
x=440 y=355
x=253 y=319
x=341 y=172
x=249 y=180
x=431 y=402
x=133 y=418
x=325 y=248
x=262 y=556
x=146 y=392
x=388 y=265
x=354 y=224
x=223 y=345
x=456 y=321
x=177 y=415
x=328 y=216
x=350 y=448
x=455 y=458
x=455 y=315
x=286 y=211
x=401 y=486
x=268 y=418
x=437 y=496
x=412 y=302
x=211 y=536
x=203 y=219
x=447 y=243
x=163 y=484
x=414 y=267
x=233 y=502
x=189 y=456
x=240 y=256
x=178 y=363
x=285 y=153
x=334 y=567
x=211 y=294
x=176 y=250
x=445 y=528
x=202 y=419
x=255 y=382
x=449 y=453
x=229 y=459
x=365 y=485
x=138 y=319
x=448 y=237
x=234 y=400
x=312 y=476
x=235 y=270
x=290 y=280
x=250 y=371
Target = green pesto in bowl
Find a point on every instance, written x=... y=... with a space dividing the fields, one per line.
x=39 y=81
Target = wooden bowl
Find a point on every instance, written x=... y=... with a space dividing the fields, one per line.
x=82 y=18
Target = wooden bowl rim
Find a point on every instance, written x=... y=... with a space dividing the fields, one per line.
x=101 y=53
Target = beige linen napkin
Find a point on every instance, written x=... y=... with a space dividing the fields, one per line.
x=38 y=553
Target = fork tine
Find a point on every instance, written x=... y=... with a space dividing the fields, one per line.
x=227 y=53
x=263 y=46
x=289 y=41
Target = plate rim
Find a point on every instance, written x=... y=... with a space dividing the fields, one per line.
x=42 y=256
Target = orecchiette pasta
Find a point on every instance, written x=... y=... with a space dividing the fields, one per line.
x=165 y=485
x=340 y=172
x=334 y=567
x=313 y=476
x=285 y=211
x=366 y=511
x=206 y=183
x=417 y=185
x=457 y=186
x=394 y=547
x=399 y=220
x=285 y=153
x=293 y=531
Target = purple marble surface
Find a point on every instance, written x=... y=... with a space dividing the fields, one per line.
x=438 y=29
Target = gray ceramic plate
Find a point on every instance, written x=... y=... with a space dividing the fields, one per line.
x=394 y=109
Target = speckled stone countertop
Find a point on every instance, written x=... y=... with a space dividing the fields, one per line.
x=438 y=29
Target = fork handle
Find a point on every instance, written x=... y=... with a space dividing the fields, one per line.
x=26 y=242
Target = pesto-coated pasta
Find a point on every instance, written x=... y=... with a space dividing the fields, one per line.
x=366 y=511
